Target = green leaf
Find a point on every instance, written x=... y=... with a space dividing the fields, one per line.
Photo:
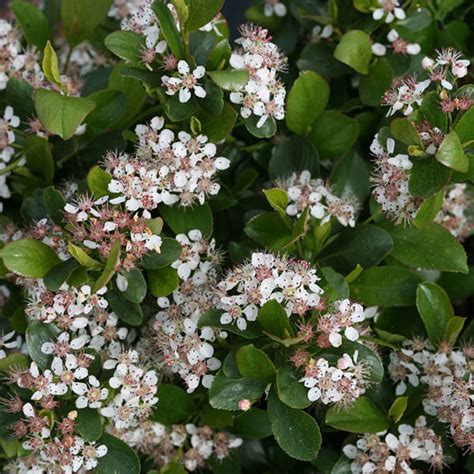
x=37 y=333
x=61 y=115
x=404 y=131
x=225 y=392
x=162 y=281
x=428 y=176
x=215 y=418
x=168 y=29
x=453 y=329
x=336 y=286
x=372 y=87
x=15 y=360
x=253 y=424
x=232 y=80
x=274 y=320
x=290 y=391
x=386 y=286
x=136 y=286
x=82 y=257
x=363 y=416
x=255 y=364
x=435 y=309
x=126 y=45
x=202 y=12
x=98 y=181
x=267 y=130
x=278 y=199
x=451 y=154
x=398 y=408
x=306 y=101
x=50 y=65
x=88 y=424
x=219 y=55
x=429 y=209
x=128 y=312
x=39 y=157
x=293 y=154
x=355 y=50
x=183 y=219
x=365 y=245
x=80 y=19
x=29 y=258
x=33 y=23
x=296 y=432
x=110 y=105
x=169 y=252
x=465 y=127
x=120 y=458
x=431 y=247
x=333 y=133
x=113 y=261
x=430 y=110
x=319 y=57
x=174 y=405
x=60 y=273
x=54 y=204
x=269 y=230
x=218 y=127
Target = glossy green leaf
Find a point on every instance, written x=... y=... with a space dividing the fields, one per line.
x=128 y=312
x=183 y=219
x=355 y=50
x=120 y=458
x=162 y=281
x=33 y=23
x=274 y=320
x=168 y=29
x=88 y=424
x=230 y=79
x=37 y=334
x=174 y=405
x=290 y=391
x=202 y=12
x=254 y=363
x=451 y=154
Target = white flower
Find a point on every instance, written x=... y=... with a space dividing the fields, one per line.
x=90 y=395
x=186 y=82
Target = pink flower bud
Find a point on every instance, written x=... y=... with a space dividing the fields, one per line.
x=245 y=404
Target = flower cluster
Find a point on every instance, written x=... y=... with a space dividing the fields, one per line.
x=98 y=226
x=293 y=283
x=389 y=10
x=397 y=44
x=446 y=68
x=303 y=192
x=135 y=390
x=166 y=169
x=263 y=95
x=174 y=336
x=7 y=139
x=189 y=444
x=341 y=383
x=445 y=374
x=390 y=179
x=383 y=452
x=455 y=211
x=405 y=94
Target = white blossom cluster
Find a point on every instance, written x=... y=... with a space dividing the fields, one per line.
x=390 y=453
x=293 y=283
x=397 y=44
x=303 y=192
x=455 y=211
x=182 y=347
x=405 y=95
x=388 y=10
x=7 y=138
x=263 y=95
x=390 y=179
x=274 y=7
x=167 y=169
x=445 y=373
x=135 y=389
x=188 y=444
x=341 y=383
x=447 y=67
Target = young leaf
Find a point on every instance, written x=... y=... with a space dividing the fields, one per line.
x=29 y=258
x=398 y=408
x=254 y=363
x=50 y=65
x=61 y=115
x=296 y=432
x=306 y=101
x=363 y=416
x=435 y=309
